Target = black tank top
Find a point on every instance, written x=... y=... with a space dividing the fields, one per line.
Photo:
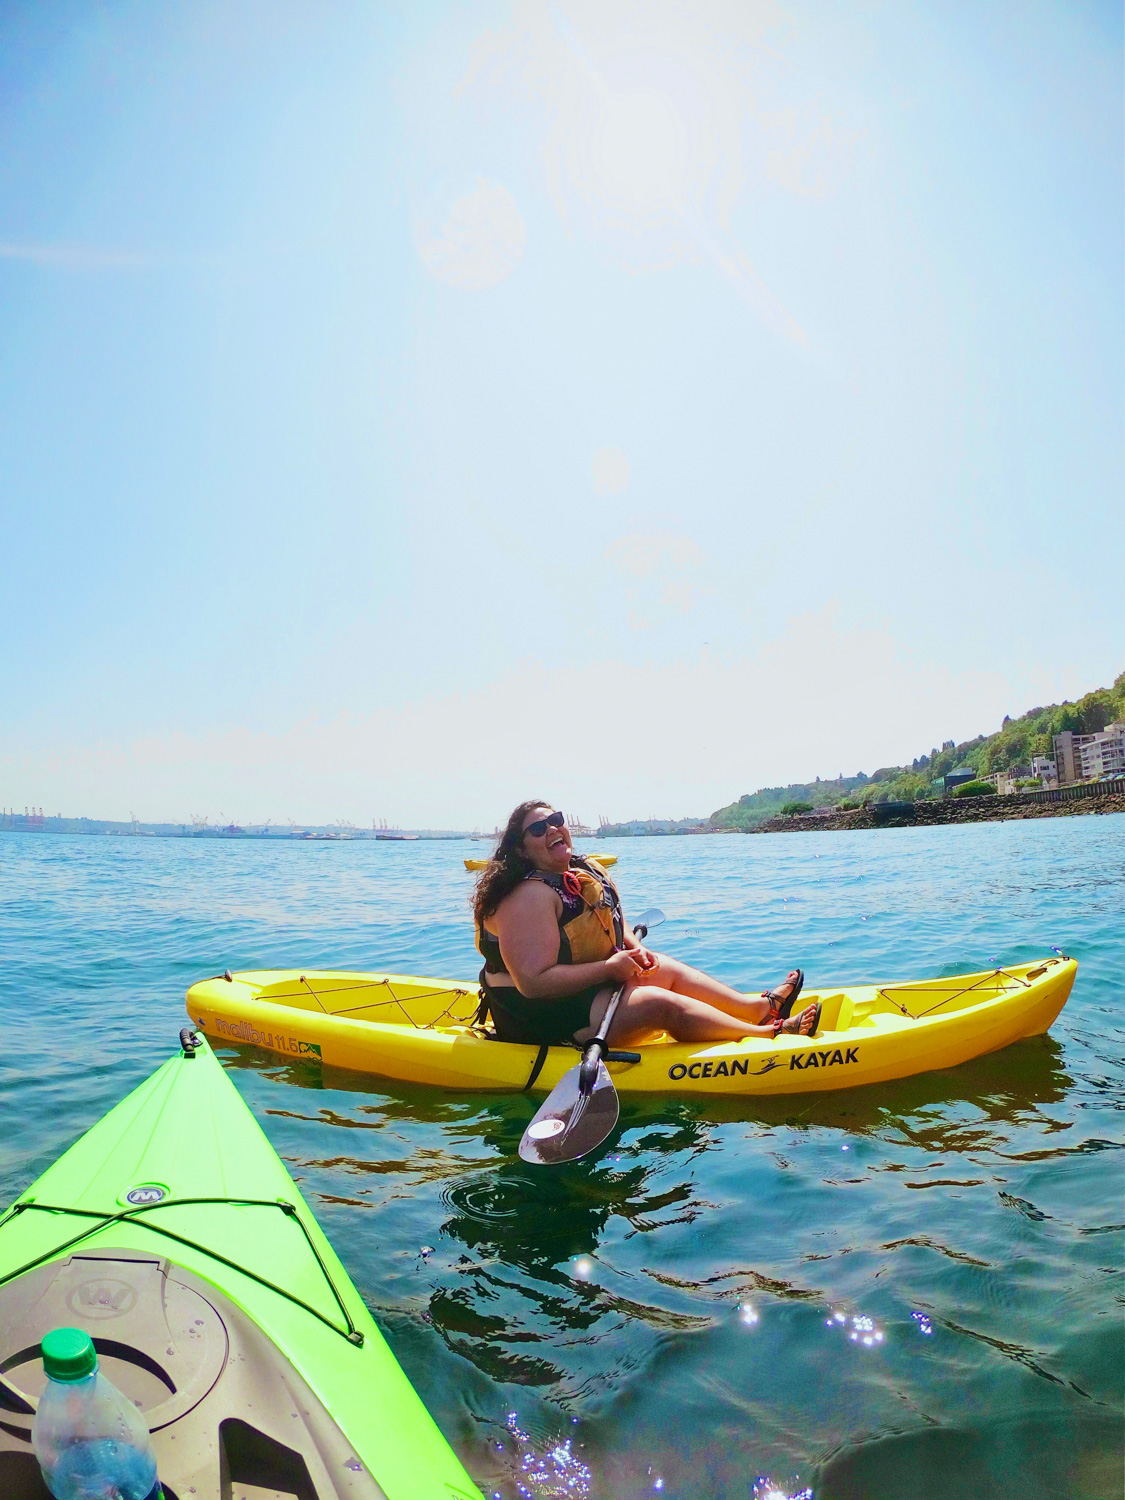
x=573 y=906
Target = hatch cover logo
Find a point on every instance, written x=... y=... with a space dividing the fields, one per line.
x=146 y=1192
x=105 y=1298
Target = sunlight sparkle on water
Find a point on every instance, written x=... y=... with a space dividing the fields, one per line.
x=765 y=1489
x=554 y=1474
x=748 y=1314
x=557 y=1473
x=862 y=1331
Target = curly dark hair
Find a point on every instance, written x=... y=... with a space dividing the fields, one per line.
x=508 y=865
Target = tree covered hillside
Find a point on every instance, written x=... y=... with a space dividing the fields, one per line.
x=1013 y=744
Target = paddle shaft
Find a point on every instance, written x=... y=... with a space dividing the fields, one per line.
x=596 y=1047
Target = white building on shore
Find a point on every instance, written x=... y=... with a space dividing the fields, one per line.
x=1007 y=782
x=1045 y=768
x=1084 y=757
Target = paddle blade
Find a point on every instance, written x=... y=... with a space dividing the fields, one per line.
x=570 y=1123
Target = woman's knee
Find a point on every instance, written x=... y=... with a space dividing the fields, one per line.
x=668 y=972
x=660 y=1006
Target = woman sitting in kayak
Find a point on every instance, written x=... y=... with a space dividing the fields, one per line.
x=556 y=945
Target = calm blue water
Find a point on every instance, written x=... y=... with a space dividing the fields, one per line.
x=673 y=1317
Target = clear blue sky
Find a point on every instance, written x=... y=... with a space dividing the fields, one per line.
x=410 y=407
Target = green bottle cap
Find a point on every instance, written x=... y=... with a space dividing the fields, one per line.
x=68 y=1354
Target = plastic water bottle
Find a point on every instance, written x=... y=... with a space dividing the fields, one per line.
x=90 y=1440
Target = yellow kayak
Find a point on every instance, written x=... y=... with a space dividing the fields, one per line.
x=605 y=860
x=421 y=1031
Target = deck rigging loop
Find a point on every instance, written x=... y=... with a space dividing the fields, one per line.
x=953 y=995
x=135 y=1216
x=315 y=996
x=456 y=994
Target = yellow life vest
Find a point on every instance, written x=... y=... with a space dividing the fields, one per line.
x=590 y=924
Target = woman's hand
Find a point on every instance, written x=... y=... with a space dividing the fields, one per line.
x=625 y=964
x=527 y=927
x=645 y=957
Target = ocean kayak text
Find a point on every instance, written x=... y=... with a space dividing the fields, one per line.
x=798 y=1062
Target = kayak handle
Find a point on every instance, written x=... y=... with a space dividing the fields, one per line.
x=189 y=1041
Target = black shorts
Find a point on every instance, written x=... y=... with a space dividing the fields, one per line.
x=538 y=1022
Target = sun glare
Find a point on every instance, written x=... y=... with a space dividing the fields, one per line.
x=652 y=111
x=640 y=150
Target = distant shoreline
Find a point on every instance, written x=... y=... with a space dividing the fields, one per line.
x=929 y=814
x=873 y=815
x=99 y=829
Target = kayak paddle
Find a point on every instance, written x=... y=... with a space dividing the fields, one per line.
x=582 y=1108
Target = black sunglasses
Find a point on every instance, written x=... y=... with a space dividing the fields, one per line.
x=540 y=826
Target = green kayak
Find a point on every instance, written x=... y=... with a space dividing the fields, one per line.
x=174 y=1236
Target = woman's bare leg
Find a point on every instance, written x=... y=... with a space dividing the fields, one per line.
x=646 y=1010
x=682 y=979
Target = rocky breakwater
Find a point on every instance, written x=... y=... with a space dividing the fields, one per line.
x=951 y=810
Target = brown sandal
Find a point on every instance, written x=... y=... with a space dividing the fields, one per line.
x=780 y=1006
x=792 y=1025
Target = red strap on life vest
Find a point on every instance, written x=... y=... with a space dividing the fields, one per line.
x=571 y=883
